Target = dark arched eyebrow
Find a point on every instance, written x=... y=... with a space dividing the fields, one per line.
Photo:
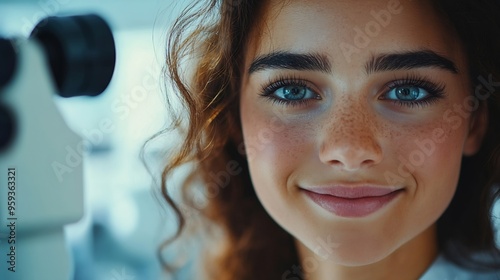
x=409 y=60
x=377 y=63
x=293 y=61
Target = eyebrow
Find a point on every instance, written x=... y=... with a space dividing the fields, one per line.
x=293 y=61
x=409 y=60
x=382 y=62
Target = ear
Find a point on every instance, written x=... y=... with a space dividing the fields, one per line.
x=477 y=130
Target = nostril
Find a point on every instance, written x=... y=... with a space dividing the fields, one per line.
x=351 y=164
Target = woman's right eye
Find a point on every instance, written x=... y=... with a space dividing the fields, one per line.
x=289 y=93
x=292 y=93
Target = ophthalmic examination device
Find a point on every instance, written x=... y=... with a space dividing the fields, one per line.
x=66 y=56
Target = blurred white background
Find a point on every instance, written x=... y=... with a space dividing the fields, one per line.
x=123 y=225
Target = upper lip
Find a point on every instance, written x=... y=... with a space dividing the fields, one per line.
x=353 y=192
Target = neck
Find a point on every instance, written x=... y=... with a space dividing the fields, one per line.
x=409 y=261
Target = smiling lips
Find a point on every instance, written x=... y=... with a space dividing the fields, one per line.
x=352 y=202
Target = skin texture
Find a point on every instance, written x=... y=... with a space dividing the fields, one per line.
x=350 y=134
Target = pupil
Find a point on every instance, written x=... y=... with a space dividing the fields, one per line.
x=408 y=93
x=294 y=92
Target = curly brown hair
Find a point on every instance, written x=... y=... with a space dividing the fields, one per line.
x=211 y=36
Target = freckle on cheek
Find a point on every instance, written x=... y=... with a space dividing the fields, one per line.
x=388 y=131
x=291 y=142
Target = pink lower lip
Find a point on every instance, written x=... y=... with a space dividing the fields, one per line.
x=352 y=207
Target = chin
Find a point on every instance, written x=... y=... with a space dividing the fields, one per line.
x=356 y=258
x=353 y=253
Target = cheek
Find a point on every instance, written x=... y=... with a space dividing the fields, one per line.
x=272 y=142
x=274 y=150
x=430 y=162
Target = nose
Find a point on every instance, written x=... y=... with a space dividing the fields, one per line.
x=349 y=139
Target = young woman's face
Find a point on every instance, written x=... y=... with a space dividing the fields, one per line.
x=355 y=118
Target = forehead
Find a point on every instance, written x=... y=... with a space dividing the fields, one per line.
x=352 y=30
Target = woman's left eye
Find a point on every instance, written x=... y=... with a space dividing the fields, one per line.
x=407 y=93
x=412 y=91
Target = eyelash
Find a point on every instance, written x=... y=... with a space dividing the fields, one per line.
x=272 y=86
x=436 y=91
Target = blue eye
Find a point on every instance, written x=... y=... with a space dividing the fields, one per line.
x=413 y=91
x=294 y=93
x=289 y=92
x=407 y=93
